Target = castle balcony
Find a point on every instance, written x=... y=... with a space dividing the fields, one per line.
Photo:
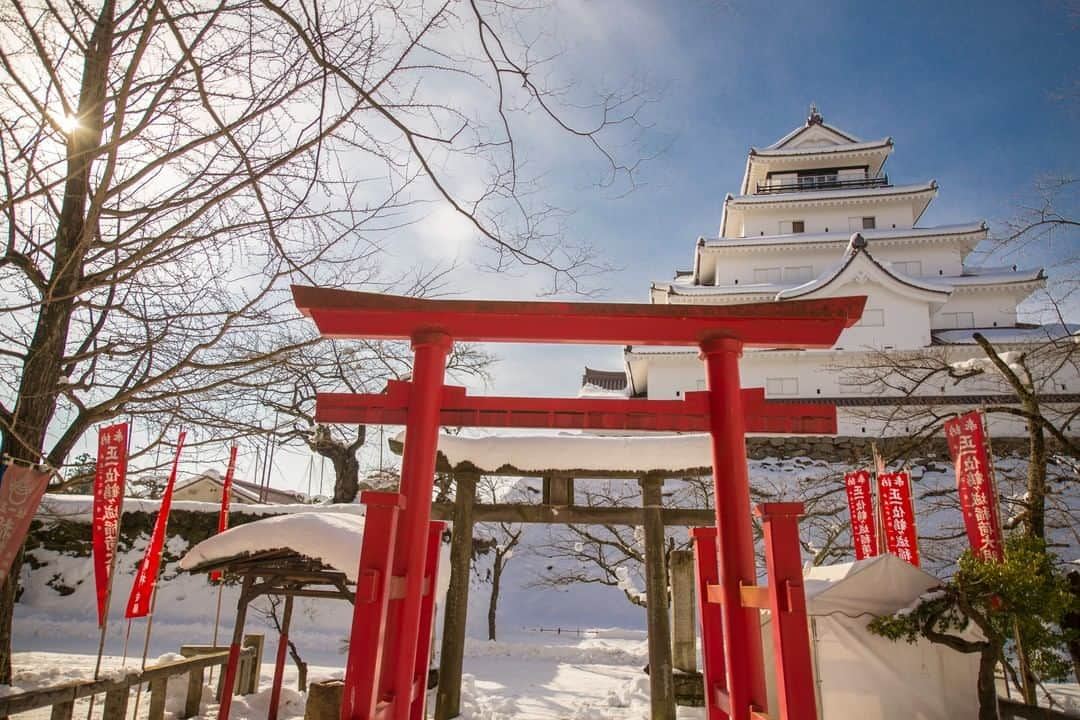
x=829 y=181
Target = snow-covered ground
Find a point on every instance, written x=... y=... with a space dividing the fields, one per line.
x=595 y=676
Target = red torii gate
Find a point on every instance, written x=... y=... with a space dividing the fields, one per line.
x=389 y=644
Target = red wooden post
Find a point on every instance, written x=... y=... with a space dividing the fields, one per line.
x=279 y=661
x=364 y=664
x=417 y=479
x=710 y=617
x=742 y=629
x=427 y=617
x=228 y=682
x=787 y=601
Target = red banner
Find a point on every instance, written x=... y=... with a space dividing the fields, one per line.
x=21 y=489
x=975 y=482
x=146 y=579
x=226 y=490
x=898 y=515
x=109 y=477
x=861 y=506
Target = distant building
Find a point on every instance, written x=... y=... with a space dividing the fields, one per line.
x=816 y=217
x=208 y=488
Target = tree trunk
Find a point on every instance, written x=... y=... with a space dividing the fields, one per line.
x=1036 y=476
x=346 y=477
x=988 y=704
x=35 y=403
x=493 y=603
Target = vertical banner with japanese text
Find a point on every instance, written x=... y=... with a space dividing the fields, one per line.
x=975 y=483
x=898 y=515
x=110 y=475
x=145 y=580
x=861 y=507
x=20 y=492
x=226 y=491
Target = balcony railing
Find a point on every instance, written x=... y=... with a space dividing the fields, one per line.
x=822 y=182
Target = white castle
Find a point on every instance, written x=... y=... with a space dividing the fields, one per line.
x=816 y=217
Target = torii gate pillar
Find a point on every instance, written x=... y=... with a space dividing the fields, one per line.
x=735 y=539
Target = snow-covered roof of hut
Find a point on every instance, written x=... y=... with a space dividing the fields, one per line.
x=330 y=538
x=875 y=586
x=539 y=453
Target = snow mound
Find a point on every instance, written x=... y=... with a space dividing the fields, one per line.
x=330 y=538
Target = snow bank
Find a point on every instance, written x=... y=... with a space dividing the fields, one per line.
x=537 y=453
x=334 y=539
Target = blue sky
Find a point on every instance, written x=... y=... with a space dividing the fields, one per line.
x=966 y=90
x=970 y=92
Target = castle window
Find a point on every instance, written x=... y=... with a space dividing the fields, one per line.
x=956 y=320
x=912 y=268
x=782 y=386
x=850 y=385
x=861 y=223
x=872 y=318
x=767 y=275
x=799 y=273
x=788 y=227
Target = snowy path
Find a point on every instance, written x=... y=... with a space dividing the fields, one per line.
x=530 y=676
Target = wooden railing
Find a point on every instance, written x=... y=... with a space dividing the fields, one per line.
x=117 y=691
x=1012 y=710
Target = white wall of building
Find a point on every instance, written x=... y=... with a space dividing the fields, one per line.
x=978 y=309
x=915 y=259
x=765 y=220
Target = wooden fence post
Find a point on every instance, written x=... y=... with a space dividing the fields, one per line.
x=194 y=693
x=158 y=690
x=116 y=702
x=62 y=710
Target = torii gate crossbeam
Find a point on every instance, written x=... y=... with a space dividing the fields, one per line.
x=458 y=409
x=397 y=691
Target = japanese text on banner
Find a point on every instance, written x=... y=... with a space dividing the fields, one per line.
x=110 y=475
x=861 y=508
x=898 y=515
x=975 y=483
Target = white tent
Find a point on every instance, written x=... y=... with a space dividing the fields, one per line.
x=862 y=675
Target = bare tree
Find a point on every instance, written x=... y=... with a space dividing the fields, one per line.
x=500 y=542
x=170 y=167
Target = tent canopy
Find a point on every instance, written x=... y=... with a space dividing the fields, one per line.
x=875 y=586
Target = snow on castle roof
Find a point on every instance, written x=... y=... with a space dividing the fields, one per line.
x=878 y=234
x=774 y=151
x=331 y=538
x=842 y=194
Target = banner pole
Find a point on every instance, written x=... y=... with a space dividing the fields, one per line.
x=146 y=645
x=127 y=636
x=875 y=499
x=217 y=621
x=914 y=514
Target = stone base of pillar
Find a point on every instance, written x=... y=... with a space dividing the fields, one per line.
x=324 y=700
x=689 y=689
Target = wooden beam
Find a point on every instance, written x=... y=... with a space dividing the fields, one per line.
x=661 y=680
x=452 y=657
x=575 y=514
